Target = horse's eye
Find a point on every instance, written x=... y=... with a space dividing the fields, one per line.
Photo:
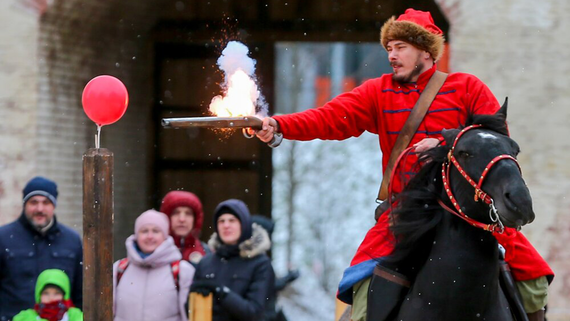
x=463 y=153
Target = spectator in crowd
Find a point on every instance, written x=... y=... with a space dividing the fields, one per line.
x=184 y=210
x=153 y=281
x=35 y=242
x=238 y=272
x=272 y=312
x=53 y=301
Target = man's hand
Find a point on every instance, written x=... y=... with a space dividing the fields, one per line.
x=269 y=128
x=425 y=144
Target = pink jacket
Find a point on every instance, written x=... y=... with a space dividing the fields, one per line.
x=146 y=291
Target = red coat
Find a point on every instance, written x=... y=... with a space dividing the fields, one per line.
x=381 y=106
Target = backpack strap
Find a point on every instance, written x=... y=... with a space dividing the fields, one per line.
x=176 y=273
x=175 y=266
x=123 y=264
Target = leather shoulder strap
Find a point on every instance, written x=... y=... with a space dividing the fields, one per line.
x=411 y=126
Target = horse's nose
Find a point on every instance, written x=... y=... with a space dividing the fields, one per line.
x=518 y=199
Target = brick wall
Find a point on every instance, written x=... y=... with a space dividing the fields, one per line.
x=78 y=41
x=521 y=49
x=48 y=52
x=18 y=96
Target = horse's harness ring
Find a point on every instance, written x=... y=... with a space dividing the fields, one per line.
x=480 y=195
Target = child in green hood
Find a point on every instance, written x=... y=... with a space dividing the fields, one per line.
x=52 y=300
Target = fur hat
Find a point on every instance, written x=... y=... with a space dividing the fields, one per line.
x=417 y=28
x=155 y=218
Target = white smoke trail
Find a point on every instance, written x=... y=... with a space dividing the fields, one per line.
x=241 y=95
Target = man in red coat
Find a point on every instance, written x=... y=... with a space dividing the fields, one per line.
x=381 y=106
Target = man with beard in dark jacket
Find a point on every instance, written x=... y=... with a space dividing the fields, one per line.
x=33 y=243
x=238 y=273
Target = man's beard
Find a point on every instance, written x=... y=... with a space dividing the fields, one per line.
x=409 y=77
x=39 y=226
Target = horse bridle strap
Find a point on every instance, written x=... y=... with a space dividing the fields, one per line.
x=497 y=226
x=487 y=227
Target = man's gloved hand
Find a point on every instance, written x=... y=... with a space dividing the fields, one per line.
x=292 y=276
x=207 y=286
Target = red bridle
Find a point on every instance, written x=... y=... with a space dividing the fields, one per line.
x=496 y=226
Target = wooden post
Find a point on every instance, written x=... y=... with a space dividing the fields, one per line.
x=200 y=307
x=98 y=235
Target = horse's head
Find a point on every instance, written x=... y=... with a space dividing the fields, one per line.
x=477 y=152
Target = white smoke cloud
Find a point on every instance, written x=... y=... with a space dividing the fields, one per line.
x=239 y=98
x=235 y=57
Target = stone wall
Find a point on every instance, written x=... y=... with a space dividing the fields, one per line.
x=49 y=51
x=19 y=27
x=78 y=41
x=521 y=49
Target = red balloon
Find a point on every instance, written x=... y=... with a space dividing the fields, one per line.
x=105 y=99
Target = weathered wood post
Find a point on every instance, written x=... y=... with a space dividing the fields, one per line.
x=98 y=235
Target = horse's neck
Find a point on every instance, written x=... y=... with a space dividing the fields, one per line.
x=463 y=260
x=465 y=249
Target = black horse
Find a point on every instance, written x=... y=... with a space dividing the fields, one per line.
x=442 y=222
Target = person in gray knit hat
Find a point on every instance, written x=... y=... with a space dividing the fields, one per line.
x=36 y=241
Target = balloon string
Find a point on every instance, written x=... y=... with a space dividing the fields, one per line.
x=98 y=137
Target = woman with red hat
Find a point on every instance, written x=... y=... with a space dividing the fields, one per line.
x=184 y=210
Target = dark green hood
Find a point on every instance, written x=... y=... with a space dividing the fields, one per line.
x=55 y=277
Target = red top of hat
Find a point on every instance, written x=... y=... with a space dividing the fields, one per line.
x=422 y=18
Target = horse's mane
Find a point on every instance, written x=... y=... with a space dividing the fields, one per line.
x=417 y=212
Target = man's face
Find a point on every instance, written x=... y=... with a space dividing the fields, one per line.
x=39 y=210
x=229 y=229
x=182 y=221
x=407 y=61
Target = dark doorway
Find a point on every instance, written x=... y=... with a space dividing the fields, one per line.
x=215 y=165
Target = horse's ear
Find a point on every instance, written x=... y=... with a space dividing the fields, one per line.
x=503 y=110
x=449 y=135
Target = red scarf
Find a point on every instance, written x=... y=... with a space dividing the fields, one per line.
x=189 y=245
x=53 y=311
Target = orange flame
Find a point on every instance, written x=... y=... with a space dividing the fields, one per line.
x=240 y=98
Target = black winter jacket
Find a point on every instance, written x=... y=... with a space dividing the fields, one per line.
x=248 y=274
x=25 y=253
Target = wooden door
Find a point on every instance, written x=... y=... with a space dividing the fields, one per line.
x=215 y=165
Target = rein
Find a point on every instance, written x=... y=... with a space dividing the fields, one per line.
x=480 y=195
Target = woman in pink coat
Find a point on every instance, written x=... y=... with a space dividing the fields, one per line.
x=153 y=281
